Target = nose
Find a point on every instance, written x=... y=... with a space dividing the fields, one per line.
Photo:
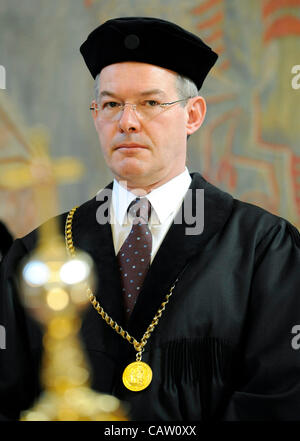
x=129 y=121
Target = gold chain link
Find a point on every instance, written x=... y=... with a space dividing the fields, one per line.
x=139 y=346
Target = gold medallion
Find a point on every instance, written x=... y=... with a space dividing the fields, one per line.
x=137 y=376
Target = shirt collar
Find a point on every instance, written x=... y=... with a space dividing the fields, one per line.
x=165 y=200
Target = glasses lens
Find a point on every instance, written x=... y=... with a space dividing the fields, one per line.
x=147 y=111
x=109 y=111
x=112 y=111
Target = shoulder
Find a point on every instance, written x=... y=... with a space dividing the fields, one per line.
x=30 y=240
x=262 y=224
x=84 y=212
x=245 y=220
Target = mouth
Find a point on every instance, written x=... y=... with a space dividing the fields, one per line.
x=128 y=147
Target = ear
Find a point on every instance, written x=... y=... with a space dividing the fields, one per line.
x=196 y=110
x=94 y=111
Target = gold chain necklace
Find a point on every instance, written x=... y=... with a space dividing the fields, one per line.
x=137 y=375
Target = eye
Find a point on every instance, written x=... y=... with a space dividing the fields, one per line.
x=110 y=105
x=151 y=103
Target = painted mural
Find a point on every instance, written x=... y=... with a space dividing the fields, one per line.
x=249 y=144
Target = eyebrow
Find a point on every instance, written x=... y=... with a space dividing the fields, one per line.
x=145 y=93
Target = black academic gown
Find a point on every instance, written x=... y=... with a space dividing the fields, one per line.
x=223 y=348
x=6 y=240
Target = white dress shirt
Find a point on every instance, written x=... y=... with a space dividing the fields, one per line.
x=165 y=200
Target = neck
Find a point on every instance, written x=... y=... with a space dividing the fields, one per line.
x=141 y=189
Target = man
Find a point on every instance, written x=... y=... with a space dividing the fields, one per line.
x=223 y=301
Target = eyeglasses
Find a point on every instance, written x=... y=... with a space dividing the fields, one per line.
x=147 y=109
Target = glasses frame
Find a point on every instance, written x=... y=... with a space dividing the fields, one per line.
x=122 y=106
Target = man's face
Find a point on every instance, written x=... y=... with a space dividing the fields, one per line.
x=144 y=152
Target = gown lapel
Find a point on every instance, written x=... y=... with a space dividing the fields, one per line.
x=176 y=250
x=97 y=240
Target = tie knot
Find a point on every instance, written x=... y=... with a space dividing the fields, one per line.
x=140 y=208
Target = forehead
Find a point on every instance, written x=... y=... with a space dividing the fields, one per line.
x=135 y=77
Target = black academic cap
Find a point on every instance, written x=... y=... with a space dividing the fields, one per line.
x=148 y=40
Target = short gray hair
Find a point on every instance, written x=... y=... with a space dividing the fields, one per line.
x=184 y=86
x=97 y=88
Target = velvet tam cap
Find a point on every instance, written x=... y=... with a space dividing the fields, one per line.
x=148 y=40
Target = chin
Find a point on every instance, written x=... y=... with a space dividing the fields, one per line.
x=130 y=169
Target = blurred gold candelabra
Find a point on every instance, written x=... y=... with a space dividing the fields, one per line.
x=53 y=286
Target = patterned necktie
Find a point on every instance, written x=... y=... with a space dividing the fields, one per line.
x=135 y=253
